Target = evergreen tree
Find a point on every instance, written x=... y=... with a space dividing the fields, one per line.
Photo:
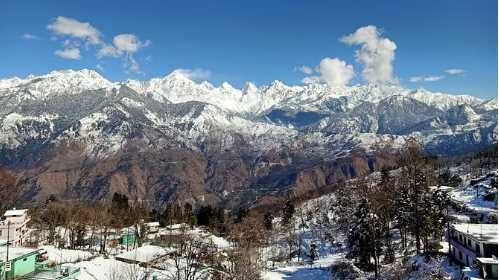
x=288 y=212
x=360 y=234
x=267 y=221
x=313 y=252
x=205 y=215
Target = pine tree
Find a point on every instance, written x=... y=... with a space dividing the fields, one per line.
x=287 y=212
x=360 y=234
x=313 y=252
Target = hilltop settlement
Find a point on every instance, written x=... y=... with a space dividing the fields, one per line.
x=425 y=218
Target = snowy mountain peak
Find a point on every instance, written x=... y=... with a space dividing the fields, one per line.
x=490 y=104
x=178 y=75
x=10 y=82
x=58 y=82
x=249 y=88
x=179 y=86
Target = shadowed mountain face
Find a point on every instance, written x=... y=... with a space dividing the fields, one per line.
x=75 y=135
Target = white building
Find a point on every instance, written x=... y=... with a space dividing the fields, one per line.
x=475 y=245
x=14 y=226
x=152 y=227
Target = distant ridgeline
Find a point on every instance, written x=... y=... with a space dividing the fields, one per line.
x=75 y=135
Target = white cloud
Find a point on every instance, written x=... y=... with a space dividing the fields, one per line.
x=71 y=43
x=129 y=43
x=197 y=74
x=124 y=45
x=108 y=50
x=29 y=36
x=311 y=80
x=77 y=34
x=65 y=26
x=305 y=69
x=70 y=53
x=455 y=71
x=333 y=71
x=433 y=78
x=132 y=65
x=415 y=79
x=376 y=53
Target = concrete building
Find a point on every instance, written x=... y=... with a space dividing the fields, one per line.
x=475 y=245
x=14 y=226
x=28 y=263
x=22 y=261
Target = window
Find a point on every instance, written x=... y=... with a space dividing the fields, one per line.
x=460 y=255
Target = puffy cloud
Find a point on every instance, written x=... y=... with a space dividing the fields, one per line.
x=333 y=71
x=305 y=69
x=69 y=53
x=455 y=71
x=29 y=36
x=129 y=43
x=426 y=78
x=124 y=45
x=376 y=53
x=108 y=50
x=79 y=33
x=197 y=74
x=65 y=26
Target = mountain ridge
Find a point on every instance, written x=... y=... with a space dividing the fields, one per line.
x=244 y=144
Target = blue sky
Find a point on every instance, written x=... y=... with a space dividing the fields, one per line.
x=259 y=41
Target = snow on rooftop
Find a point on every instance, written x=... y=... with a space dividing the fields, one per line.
x=15 y=252
x=487 y=260
x=15 y=212
x=65 y=255
x=144 y=254
x=486 y=233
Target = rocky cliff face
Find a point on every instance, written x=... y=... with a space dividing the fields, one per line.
x=76 y=135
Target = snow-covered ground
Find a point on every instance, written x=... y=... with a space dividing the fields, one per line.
x=318 y=270
x=108 y=269
x=219 y=242
x=473 y=192
x=61 y=256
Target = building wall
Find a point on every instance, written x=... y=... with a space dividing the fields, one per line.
x=17 y=231
x=23 y=266
x=461 y=253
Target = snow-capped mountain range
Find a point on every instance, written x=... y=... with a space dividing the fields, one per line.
x=77 y=134
x=317 y=113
